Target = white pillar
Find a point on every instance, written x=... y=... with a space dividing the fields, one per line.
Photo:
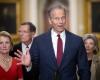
x=76 y=16
x=73 y=15
x=81 y=16
x=30 y=12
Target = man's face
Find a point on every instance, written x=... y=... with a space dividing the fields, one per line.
x=57 y=20
x=25 y=34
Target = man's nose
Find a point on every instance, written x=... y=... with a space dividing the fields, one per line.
x=60 y=21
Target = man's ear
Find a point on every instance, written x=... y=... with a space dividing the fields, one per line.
x=49 y=19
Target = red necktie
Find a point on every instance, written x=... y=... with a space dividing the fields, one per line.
x=59 y=50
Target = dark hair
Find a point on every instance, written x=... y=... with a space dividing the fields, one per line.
x=57 y=5
x=32 y=26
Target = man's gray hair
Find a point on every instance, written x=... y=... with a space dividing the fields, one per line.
x=57 y=5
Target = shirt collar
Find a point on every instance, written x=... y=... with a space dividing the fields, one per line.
x=62 y=34
x=28 y=45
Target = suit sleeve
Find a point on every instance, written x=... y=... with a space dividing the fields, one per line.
x=35 y=59
x=83 y=67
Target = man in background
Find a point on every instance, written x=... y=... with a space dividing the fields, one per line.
x=26 y=34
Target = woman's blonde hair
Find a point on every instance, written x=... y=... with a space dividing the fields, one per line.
x=94 y=38
x=7 y=34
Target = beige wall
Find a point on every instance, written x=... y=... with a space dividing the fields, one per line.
x=33 y=10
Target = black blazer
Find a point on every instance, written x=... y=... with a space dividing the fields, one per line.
x=31 y=75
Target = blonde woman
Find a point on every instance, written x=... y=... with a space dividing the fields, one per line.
x=9 y=70
x=91 y=45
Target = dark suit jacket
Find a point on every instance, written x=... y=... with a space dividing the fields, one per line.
x=31 y=75
x=74 y=56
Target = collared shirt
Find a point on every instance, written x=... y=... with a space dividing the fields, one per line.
x=24 y=47
x=55 y=38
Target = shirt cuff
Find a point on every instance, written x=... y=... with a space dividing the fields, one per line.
x=29 y=68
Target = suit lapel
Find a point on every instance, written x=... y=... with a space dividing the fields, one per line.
x=20 y=47
x=50 y=48
x=17 y=47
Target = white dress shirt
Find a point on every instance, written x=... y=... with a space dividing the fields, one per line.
x=55 y=38
x=24 y=47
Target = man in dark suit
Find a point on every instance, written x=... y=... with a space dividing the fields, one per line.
x=26 y=34
x=58 y=53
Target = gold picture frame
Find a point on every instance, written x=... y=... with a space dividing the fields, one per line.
x=94 y=17
x=10 y=17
